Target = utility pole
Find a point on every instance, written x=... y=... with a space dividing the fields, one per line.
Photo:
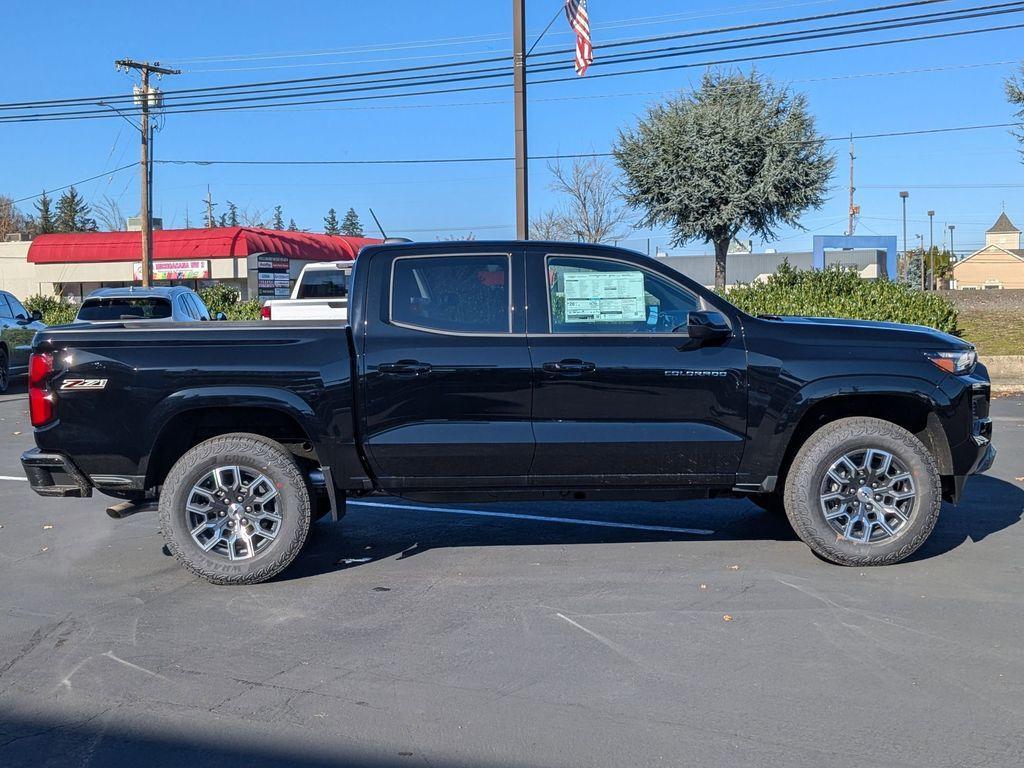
x=931 y=250
x=519 y=97
x=209 y=208
x=952 y=253
x=145 y=98
x=906 y=259
x=854 y=209
x=924 y=271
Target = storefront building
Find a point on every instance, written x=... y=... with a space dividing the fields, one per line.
x=76 y=264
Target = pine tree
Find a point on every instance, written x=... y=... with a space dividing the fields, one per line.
x=44 y=217
x=331 y=223
x=292 y=226
x=278 y=222
x=351 y=225
x=232 y=215
x=73 y=213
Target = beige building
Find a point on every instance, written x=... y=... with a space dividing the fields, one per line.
x=1000 y=264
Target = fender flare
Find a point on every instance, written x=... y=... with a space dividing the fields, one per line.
x=195 y=398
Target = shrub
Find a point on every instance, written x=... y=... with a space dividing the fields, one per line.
x=56 y=310
x=224 y=298
x=839 y=291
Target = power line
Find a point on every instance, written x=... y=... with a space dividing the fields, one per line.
x=636 y=41
x=76 y=183
x=463 y=89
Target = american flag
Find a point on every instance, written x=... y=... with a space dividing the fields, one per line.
x=576 y=12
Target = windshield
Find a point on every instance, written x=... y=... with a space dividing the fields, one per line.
x=324 y=284
x=124 y=308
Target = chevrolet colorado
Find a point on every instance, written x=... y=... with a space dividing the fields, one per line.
x=486 y=371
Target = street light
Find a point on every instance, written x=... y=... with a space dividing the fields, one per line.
x=952 y=253
x=931 y=250
x=904 y=195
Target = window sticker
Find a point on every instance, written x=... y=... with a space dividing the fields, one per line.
x=604 y=297
x=652 y=317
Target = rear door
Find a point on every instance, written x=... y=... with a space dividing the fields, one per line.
x=445 y=369
x=622 y=395
x=17 y=331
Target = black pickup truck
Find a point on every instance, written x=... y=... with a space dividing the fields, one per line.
x=487 y=371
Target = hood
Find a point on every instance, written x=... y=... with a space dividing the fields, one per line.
x=871 y=330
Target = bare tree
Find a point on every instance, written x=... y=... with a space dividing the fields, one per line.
x=456 y=237
x=593 y=212
x=11 y=219
x=551 y=225
x=253 y=217
x=108 y=214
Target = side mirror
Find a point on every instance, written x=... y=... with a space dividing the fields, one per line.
x=220 y=316
x=707 y=326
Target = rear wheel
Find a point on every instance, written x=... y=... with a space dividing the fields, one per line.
x=5 y=371
x=236 y=509
x=863 y=491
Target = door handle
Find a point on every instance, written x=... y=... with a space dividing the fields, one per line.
x=569 y=366
x=404 y=368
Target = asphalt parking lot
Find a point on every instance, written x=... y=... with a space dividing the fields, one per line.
x=407 y=637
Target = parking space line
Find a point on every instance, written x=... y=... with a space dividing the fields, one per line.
x=12 y=477
x=537 y=518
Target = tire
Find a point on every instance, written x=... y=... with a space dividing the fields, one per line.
x=813 y=490
x=5 y=371
x=268 y=529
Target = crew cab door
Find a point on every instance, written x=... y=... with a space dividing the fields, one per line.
x=622 y=395
x=445 y=371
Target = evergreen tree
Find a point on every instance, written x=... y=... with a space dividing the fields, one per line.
x=73 y=213
x=292 y=226
x=44 y=217
x=232 y=215
x=351 y=225
x=331 y=223
x=278 y=222
x=737 y=154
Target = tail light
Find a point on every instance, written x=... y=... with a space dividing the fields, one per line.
x=41 y=405
x=265 y=312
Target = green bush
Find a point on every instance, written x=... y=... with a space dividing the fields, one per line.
x=224 y=298
x=56 y=310
x=839 y=291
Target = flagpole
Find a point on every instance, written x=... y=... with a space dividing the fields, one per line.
x=519 y=87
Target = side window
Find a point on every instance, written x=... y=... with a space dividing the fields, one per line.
x=17 y=308
x=592 y=295
x=5 y=309
x=202 y=313
x=187 y=307
x=459 y=294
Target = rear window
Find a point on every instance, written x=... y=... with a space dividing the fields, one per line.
x=324 y=284
x=125 y=308
x=461 y=294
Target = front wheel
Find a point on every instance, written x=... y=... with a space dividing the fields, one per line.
x=863 y=491
x=236 y=509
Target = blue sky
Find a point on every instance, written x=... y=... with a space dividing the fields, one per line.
x=64 y=49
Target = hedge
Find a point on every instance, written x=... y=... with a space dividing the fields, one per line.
x=224 y=298
x=56 y=310
x=839 y=291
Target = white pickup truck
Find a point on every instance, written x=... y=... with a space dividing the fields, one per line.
x=320 y=293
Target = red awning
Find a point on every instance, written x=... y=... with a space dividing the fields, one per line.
x=193 y=244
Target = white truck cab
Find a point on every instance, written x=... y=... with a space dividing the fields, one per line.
x=320 y=293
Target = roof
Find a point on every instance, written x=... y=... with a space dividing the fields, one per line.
x=1002 y=225
x=167 y=292
x=183 y=244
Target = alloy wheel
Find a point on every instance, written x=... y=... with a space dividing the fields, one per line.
x=867 y=496
x=234 y=512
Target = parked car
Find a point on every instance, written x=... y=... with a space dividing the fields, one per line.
x=507 y=370
x=320 y=293
x=177 y=304
x=17 y=327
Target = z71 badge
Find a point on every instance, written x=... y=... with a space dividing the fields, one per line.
x=83 y=384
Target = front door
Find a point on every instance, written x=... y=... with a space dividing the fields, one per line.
x=622 y=395
x=446 y=372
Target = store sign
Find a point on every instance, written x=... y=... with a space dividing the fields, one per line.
x=176 y=270
x=272 y=277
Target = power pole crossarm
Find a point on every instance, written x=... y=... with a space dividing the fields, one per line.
x=144 y=100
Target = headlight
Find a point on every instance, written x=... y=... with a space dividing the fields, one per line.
x=955 y=361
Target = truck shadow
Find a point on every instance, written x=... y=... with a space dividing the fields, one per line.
x=371 y=533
